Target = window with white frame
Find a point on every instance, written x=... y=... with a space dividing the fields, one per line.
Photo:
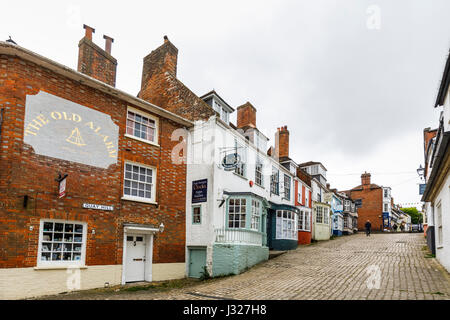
x=256 y=215
x=347 y=205
x=386 y=207
x=386 y=193
x=286 y=225
x=259 y=172
x=306 y=198
x=304 y=221
x=139 y=182
x=61 y=242
x=274 y=181
x=319 y=214
x=141 y=125
x=237 y=209
x=299 y=193
x=346 y=222
x=242 y=152
x=287 y=187
x=196 y=215
x=325 y=215
x=439 y=224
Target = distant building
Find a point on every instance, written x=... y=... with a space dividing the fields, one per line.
x=374 y=203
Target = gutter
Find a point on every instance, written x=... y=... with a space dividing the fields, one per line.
x=25 y=54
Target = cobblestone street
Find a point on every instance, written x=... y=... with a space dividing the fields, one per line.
x=344 y=268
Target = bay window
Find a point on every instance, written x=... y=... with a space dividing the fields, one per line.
x=319 y=214
x=256 y=215
x=237 y=209
x=286 y=225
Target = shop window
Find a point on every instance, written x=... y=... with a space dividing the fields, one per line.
x=286 y=225
x=61 y=242
x=319 y=214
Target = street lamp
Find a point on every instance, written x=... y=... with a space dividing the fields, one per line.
x=420 y=172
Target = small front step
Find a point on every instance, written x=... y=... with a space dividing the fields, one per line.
x=274 y=253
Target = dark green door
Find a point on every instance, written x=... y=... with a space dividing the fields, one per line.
x=197 y=260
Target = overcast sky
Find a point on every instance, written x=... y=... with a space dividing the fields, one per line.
x=354 y=81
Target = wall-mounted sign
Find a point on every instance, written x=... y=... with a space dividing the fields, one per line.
x=62 y=187
x=358 y=203
x=59 y=128
x=327 y=197
x=422 y=187
x=97 y=207
x=199 y=191
x=230 y=161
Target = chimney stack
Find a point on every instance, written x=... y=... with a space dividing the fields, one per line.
x=108 y=43
x=365 y=179
x=246 y=116
x=94 y=61
x=157 y=63
x=282 y=142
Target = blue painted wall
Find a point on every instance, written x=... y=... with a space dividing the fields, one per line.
x=234 y=259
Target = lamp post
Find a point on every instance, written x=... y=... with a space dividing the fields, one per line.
x=421 y=172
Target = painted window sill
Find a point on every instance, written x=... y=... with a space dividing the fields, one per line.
x=439 y=247
x=139 y=200
x=141 y=140
x=62 y=267
x=242 y=177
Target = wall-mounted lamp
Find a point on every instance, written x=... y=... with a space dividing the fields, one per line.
x=421 y=172
x=161 y=227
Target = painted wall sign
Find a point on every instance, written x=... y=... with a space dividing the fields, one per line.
x=358 y=203
x=97 y=207
x=199 y=191
x=59 y=128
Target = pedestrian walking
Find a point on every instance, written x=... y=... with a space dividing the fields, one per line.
x=368 y=226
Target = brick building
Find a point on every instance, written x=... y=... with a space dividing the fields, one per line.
x=374 y=203
x=121 y=217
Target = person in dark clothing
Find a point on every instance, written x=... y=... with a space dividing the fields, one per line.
x=368 y=226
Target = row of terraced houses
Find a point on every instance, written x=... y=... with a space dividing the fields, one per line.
x=99 y=187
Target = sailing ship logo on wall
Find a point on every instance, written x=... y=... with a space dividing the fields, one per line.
x=75 y=138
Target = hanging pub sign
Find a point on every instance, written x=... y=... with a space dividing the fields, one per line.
x=199 y=191
x=230 y=161
x=422 y=187
x=62 y=187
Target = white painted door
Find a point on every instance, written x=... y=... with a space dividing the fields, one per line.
x=135 y=258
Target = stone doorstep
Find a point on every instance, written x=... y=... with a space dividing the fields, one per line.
x=274 y=253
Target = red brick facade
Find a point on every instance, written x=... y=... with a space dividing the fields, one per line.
x=24 y=173
x=246 y=116
x=371 y=196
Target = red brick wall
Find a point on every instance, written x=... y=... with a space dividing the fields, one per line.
x=96 y=62
x=372 y=207
x=22 y=172
x=246 y=116
x=282 y=142
x=160 y=85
